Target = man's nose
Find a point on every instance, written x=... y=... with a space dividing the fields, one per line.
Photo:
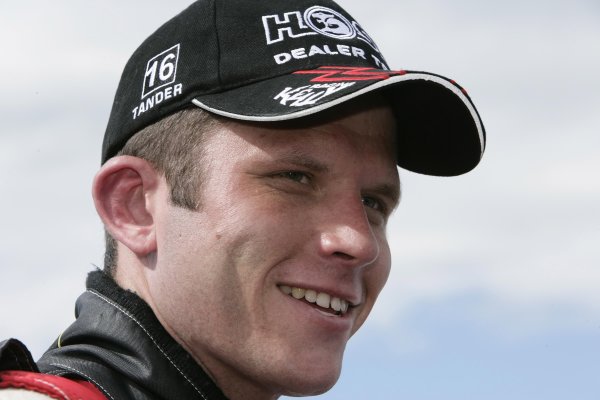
x=348 y=235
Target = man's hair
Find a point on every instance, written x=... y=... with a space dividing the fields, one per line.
x=174 y=147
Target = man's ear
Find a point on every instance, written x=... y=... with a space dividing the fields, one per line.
x=124 y=191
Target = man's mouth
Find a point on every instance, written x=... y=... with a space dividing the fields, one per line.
x=325 y=301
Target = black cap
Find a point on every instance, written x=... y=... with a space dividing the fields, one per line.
x=280 y=60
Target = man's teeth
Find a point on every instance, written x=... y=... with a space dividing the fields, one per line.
x=323 y=300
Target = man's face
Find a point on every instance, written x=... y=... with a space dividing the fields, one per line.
x=281 y=209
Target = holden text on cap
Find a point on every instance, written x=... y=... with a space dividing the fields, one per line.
x=318 y=20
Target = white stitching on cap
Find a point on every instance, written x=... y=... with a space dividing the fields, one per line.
x=151 y=338
x=84 y=375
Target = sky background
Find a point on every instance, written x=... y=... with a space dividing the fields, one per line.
x=495 y=284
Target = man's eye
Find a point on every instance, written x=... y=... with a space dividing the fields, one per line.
x=296 y=176
x=373 y=203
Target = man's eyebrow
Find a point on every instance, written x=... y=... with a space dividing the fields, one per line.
x=302 y=160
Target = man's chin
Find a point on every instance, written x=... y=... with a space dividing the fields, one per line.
x=312 y=388
x=314 y=381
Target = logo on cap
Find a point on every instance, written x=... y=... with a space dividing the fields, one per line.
x=161 y=70
x=315 y=20
x=159 y=81
x=329 y=22
x=345 y=74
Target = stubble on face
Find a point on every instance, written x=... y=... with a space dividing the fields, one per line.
x=280 y=207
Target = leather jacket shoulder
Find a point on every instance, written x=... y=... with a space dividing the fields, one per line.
x=118 y=344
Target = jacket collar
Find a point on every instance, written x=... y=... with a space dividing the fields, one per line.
x=118 y=343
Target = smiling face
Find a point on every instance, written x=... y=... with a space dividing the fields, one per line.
x=282 y=263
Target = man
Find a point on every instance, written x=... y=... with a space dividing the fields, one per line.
x=249 y=168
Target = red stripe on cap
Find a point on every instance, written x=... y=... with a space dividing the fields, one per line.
x=460 y=87
x=337 y=74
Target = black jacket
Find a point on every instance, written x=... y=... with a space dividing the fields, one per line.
x=118 y=344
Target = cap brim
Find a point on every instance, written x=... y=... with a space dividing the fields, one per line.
x=439 y=129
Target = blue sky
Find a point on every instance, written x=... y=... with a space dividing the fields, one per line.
x=495 y=288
